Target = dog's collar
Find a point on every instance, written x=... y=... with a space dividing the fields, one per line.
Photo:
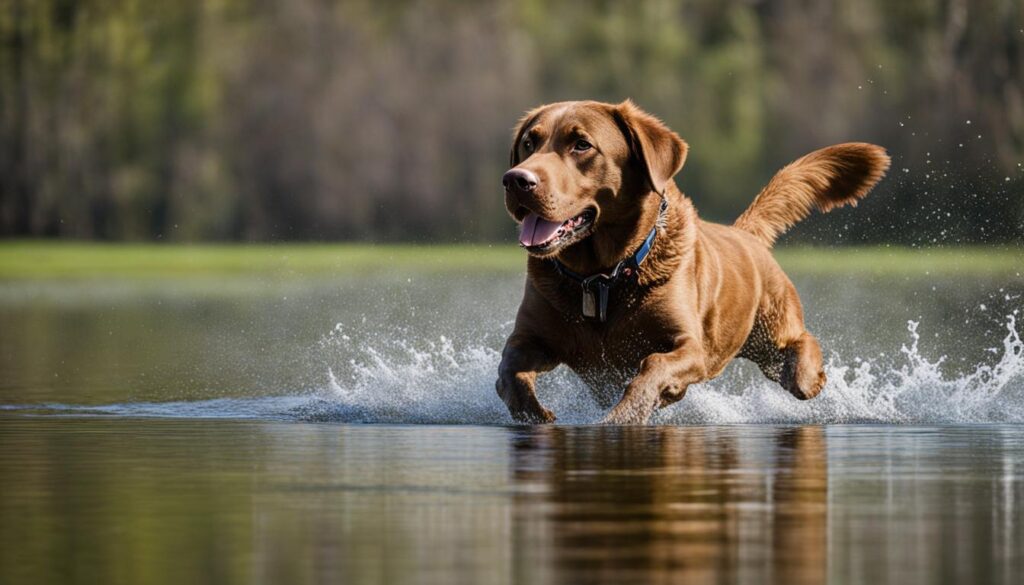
x=596 y=286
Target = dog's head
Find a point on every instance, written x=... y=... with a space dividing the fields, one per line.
x=581 y=166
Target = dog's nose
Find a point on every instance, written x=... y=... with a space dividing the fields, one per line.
x=520 y=179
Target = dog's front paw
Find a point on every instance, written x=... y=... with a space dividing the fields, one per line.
x=626 y=414
x=522 y=404
x=537 y=416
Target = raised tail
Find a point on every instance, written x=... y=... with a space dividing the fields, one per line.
x=826 y=179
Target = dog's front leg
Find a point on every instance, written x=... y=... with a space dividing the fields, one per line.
x=663 y=379
x=521 y=361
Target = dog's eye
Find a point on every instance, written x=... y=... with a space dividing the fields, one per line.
x=582 y=146
x=527 y=144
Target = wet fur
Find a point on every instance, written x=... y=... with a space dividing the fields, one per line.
x=824 y=179
x=706 y=294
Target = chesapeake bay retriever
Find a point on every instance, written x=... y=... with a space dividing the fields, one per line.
x=628 y=287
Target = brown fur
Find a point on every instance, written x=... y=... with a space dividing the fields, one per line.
x=706 y=293
x=826 y=179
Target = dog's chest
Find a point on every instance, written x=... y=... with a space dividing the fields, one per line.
x=607 y=356
x=618 y=345
x=633 y=329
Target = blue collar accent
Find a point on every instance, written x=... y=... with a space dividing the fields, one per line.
x=640 y=255
x=596 y=286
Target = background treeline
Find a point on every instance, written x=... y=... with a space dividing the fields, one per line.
x=390 y=120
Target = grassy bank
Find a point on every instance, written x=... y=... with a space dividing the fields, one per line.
x=74 y=260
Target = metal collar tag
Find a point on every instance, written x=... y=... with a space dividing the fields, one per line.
x=596 y=287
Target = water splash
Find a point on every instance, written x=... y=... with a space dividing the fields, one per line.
x=440 y=382
x=911 y=390
x=401 y=379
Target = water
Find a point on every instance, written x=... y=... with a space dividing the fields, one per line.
x=217 y=431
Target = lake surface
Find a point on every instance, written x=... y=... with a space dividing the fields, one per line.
x=346 y=430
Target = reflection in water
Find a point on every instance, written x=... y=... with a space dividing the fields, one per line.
x=671 y=503
x=121 y=500
x=113 y=469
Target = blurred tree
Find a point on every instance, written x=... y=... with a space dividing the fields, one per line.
x=390 y=120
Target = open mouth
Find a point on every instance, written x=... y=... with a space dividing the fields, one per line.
x=540 y=235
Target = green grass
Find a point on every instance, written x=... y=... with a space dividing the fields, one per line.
x=76 y=260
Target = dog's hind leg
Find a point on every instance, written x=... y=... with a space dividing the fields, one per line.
x=783 y=349
x=803 y=372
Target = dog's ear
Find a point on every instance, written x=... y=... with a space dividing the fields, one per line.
x=659 y=151
x=525 y=122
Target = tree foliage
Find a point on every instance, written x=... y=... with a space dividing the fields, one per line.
x=362 y=119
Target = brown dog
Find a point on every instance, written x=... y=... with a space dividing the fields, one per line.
x=626 y=284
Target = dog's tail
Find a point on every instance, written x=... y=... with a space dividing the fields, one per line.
x=826 y=179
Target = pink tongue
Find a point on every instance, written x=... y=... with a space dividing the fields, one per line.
x=537 y=231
